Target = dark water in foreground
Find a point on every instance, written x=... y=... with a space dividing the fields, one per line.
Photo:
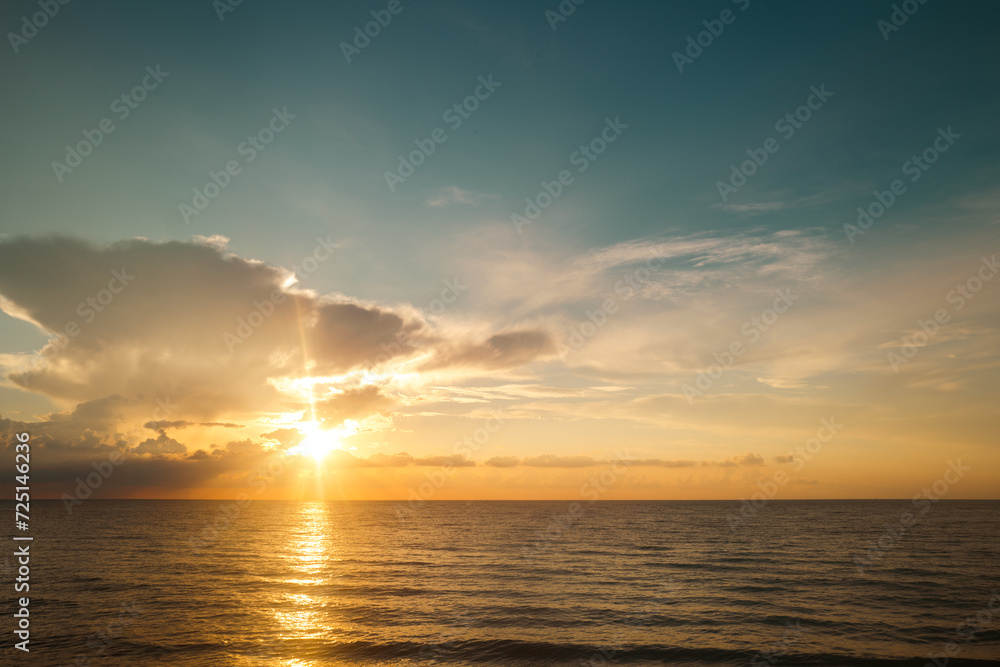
x=654 y=583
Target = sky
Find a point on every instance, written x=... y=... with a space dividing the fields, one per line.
x=500 y=251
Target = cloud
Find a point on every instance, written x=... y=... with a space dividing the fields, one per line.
x=216 y=240
x=160 y=445
x=102 y=414
x=544 y=461
x=782 y=383
x=553 y=461
x=661 y=463
x=673 y=296
x=214 y=332
x=166 y=463
x=748 y=459
x=503 y=462
x=455 y=195
x=455 y=461
x=344 y=336
x=505 y=350
x=161 y=425
x=289 y=437
x=754 y=208
x=353 y=404
x=162 y=339
x=402 y=459
x=576 y=461
x=90 y=431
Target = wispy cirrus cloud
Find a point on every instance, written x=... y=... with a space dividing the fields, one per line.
x=576 y=461
x=455 y=195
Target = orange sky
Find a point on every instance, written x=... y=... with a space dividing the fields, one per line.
x=703 y=394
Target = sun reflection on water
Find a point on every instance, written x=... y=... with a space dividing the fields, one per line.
x=300 y=615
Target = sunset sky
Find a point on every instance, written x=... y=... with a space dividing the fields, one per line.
x=359 y=331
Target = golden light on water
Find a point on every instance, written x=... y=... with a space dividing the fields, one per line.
x=299 y=614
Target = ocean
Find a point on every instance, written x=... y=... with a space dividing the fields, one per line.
x=826 y=583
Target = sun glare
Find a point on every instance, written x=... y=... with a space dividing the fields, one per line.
x=318 y=443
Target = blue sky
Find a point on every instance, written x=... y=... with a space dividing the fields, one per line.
x=323 y=177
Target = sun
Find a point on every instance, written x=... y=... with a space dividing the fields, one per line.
x=318 y=443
